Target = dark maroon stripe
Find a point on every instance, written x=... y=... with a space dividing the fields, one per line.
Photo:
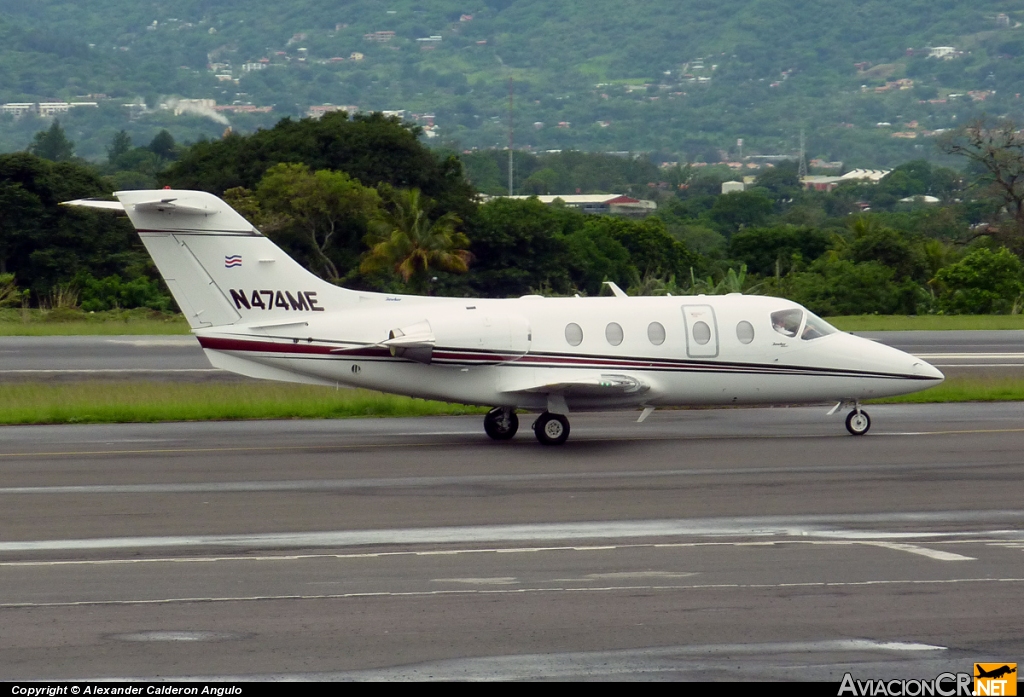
x=223 y=344
x=589 y=362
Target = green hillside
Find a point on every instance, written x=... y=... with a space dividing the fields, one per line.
x=680 y=78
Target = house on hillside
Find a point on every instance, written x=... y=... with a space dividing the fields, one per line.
x=597 y=204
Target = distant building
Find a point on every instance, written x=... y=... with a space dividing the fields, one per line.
x=817 y=182
x=379 y=36
x=317 y=111
x=54 y=108
x=944 y=52
x=598 y=204
x=18 y=109
x=733 y=187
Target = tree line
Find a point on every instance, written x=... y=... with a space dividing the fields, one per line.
x=361 y=202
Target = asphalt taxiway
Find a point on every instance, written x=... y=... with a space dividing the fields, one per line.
x=706 y=544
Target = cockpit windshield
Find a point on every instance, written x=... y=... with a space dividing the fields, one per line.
x=787 y=322
x=816 y=328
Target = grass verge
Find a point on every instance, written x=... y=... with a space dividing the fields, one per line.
x=964 y=389
x=64 y=322
x=142 y=401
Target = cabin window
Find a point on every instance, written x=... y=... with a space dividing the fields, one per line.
x=745 y=332
x=787 y=322
x=574 y=334
x=656 y=333
x=701 y=333
x=613 y=333
x=816 y=328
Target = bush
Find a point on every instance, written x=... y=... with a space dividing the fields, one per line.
x=113 y=292
x=983 y=282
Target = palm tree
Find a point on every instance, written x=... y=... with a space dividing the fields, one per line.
x=404 y=238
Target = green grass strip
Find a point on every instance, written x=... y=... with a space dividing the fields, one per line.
x=965 y=389
x=65 y=322
x=148 y=401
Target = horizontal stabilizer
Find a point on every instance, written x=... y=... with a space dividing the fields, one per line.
x=96 y=203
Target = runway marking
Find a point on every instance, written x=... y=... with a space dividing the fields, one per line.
x=641 y=662
x=497 y=581
x=506 y=591
x=456 y=552
x=623 y=575
x=923 y=551
x=818 y=526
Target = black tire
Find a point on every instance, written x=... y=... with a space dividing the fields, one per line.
x=858 y=422
x=498 y=426
x=551 y=429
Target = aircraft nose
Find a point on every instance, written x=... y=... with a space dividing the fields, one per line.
x=927 y=370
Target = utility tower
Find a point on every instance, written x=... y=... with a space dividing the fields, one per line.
x=511 y=188
x=803 y=157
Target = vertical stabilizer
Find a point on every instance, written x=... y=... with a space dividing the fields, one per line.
x=220 y=269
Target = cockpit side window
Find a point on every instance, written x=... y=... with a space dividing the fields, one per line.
x=787 y=322
x=816 y=328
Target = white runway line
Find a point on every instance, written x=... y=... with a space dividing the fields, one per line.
x=923 y=551
x=659 y=659
x=661 y=588
x=816 y=526
x=278 y=558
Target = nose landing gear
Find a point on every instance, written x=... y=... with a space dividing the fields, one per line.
x=858 y=422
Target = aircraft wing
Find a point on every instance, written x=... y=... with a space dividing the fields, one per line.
x=574 y=384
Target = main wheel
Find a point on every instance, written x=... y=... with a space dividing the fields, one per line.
x=551 y=429
x=501 y=423
x=858 y=422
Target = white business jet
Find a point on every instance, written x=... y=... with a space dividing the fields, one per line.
x=257 y=312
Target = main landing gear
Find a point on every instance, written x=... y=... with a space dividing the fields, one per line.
x=501 y=423
x=551 y=429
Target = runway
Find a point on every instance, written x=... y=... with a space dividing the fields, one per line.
x=708 y=544
x=50 y=358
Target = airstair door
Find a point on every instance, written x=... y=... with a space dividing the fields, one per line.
x=701 y=331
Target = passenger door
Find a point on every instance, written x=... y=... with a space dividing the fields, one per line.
x=701 y=331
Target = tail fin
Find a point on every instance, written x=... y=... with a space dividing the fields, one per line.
x=220 y=269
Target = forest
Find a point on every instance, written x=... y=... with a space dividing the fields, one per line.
x=362 y=202
x=684 y=81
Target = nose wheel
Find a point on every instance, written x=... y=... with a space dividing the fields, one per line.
x=858 y=422
x=501 y=423
x=551 y=429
